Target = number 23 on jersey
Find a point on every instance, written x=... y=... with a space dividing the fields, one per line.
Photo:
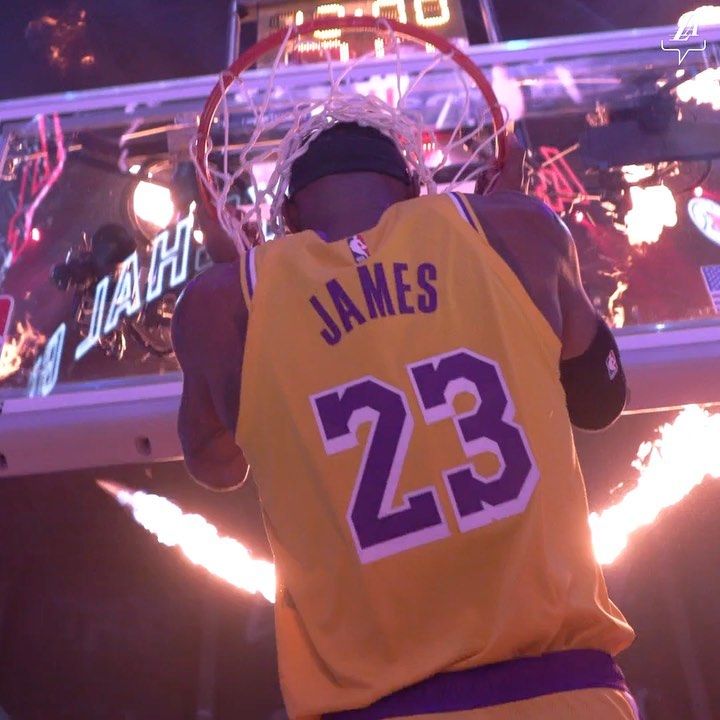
x=380 y=524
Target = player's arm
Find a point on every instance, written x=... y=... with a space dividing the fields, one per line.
x=511 y=177
x=208 y=331
x=540 y=250
x=590 y=369
x=219 y=245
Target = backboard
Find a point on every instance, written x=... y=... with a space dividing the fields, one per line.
x=86 y=354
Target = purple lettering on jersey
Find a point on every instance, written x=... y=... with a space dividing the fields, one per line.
x=427 y=274
x=331 y=333
x=402 y=289
x=487 y=428
x=347 y=310
x=376 y=291
x=471 y=492
x=381 y=524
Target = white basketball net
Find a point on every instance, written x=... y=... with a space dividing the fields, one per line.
x=305 y=120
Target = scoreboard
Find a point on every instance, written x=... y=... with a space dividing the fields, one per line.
x=442 y=16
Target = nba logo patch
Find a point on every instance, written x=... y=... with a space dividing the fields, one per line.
x=612 y=365
x=6 y=308
x=358 y=248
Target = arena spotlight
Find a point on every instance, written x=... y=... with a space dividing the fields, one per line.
x=148 y=199
x=153 y=204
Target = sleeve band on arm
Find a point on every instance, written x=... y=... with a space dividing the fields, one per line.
x=594 y=382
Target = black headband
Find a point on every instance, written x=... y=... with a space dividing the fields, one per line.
x=344 y=148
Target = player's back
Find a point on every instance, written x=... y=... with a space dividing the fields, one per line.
x=403 y=415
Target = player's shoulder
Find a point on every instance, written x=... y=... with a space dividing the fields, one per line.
x=515 y=213
x=524 y=208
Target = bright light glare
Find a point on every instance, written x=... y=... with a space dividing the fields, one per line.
x=262 y=171
x=134 y=169
x=704 y=15
x=653 y=209
x=224 y=557
x=153 y=203
x=567 y=80
x=199 y=236
x=508 y=92
x=685 y=454
x=35 y=234
x=704 y=88
x=637 y=173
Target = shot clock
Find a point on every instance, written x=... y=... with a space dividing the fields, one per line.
x=442 y=16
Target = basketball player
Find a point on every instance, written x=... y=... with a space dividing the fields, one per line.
x=401 y=374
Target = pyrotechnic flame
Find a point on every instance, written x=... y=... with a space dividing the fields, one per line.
x=686 y=452
x=670 y=467
x=637 y=173
x=16 y=349
x=704 y=15
x=704 y=89
x=653 y=209
x=224 y=557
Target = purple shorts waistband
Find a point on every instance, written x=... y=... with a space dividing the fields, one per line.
x=504 y=682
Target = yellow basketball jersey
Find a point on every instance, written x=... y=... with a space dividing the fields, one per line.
x=403 y=416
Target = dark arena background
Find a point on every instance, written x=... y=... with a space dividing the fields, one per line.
x=100 y=230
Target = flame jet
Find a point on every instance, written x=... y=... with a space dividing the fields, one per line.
x=200 y=541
